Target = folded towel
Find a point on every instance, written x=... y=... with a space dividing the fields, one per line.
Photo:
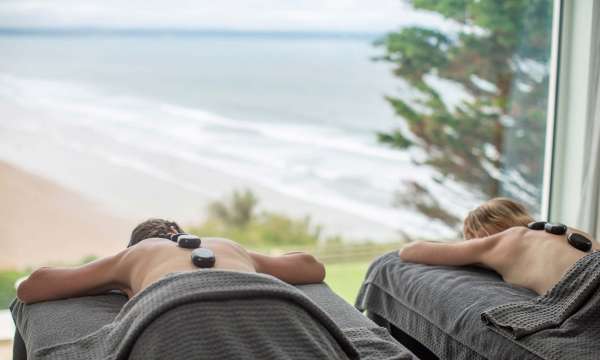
x=549 y=324
x=275 y=320
x=577 y=287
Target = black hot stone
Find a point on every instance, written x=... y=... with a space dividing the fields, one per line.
x=188 y=241
x=537 y=225
x=174 y=237
x=556 y=229
x=203 y=258
x=579 y=242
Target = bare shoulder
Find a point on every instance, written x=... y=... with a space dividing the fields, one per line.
x=504 y=246
x=128 y=258
x=129 y=255
x=508 y=236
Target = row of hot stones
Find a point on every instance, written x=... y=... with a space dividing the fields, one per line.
x=576 y=240
x=201 y=257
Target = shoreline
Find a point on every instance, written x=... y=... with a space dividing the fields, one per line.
x=45 y=222
x=140 y=192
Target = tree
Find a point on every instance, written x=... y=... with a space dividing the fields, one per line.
x=492 y=142
x=236 y=217
x=237 y=211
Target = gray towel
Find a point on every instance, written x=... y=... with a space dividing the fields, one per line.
x=283 y=324
x=551 y=323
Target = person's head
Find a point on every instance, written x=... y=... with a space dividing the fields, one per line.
x=494 y=216
x=153 y=228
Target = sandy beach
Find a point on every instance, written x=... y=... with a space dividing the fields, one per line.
x=137 y=183
x=44 y=223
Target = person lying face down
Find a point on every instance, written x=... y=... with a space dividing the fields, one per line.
x=497 y=237
x=494 y=216
x=150 y=256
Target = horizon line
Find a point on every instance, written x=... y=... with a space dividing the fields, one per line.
x=189 y=32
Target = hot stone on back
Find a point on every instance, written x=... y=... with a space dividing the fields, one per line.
x=556 y=229
x=537 y=225
x=579 y=242
x=203 y=258
x=188 y=241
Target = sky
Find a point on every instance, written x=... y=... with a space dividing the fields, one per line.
x=286 y=15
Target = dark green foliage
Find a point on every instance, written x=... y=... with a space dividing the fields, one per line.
x=492 y=142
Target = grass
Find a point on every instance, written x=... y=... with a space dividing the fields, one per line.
x=345 y=278
x=7 y=286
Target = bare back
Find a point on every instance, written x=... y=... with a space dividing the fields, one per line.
x=533 y=259
x=152 y=259
x=138 y=266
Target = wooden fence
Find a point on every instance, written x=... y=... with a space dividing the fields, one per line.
x=338 y=253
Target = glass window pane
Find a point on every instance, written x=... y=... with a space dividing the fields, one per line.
x=282 y=126
x=474 y=113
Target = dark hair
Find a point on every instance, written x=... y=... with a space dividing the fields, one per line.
x=153 y=228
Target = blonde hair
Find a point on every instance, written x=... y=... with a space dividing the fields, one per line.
x=494 y=216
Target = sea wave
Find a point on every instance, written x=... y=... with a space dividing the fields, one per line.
x=322 y=137
x=341 y=171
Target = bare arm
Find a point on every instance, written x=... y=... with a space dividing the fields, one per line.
x=467 y=252
x=294 y=268
x=50 y=283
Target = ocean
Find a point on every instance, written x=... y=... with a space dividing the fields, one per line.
x=165 y=124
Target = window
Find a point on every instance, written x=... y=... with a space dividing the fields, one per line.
x=476 y=112
x=334 y=123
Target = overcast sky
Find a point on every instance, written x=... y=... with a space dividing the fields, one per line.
x=325 y=15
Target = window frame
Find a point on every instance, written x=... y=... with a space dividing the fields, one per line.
x=567 y=110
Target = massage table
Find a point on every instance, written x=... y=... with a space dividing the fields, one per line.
x=440 y=312
x=178 y=333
